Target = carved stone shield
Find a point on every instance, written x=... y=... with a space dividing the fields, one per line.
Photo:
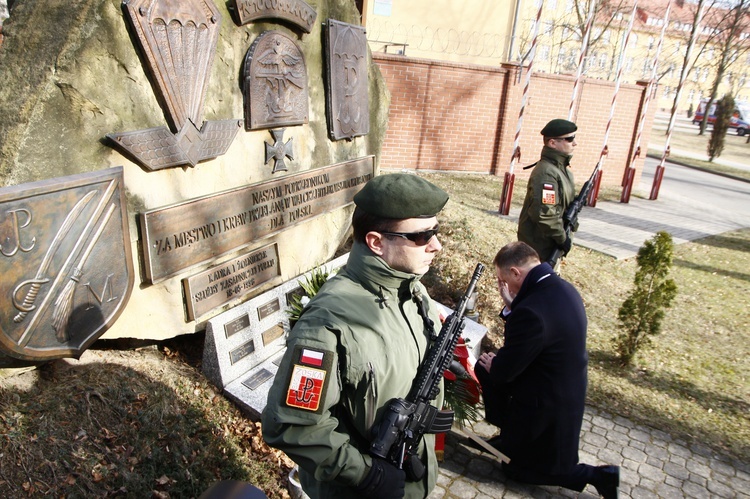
x=66 y=270
x=275 y=85
x=348 y=105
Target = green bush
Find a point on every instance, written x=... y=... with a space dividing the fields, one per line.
x=642 y=312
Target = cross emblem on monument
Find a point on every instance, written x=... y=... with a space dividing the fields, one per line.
x=278 y=150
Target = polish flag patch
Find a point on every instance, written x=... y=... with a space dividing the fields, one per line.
x=311 y=357
x=548 y=194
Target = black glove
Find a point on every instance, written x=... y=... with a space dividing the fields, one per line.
x=565 y=247
x=383 y=480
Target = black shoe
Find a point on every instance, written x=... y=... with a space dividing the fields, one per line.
x=606 y=481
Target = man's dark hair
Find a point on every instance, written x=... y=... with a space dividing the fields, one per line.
x=515 y=254
x=363 y=222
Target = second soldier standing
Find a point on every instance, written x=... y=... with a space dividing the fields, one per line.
x=550 y=191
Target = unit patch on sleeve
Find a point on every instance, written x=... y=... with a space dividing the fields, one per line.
x=548 y=194
x=308 y=378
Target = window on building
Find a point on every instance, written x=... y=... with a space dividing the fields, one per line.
x=544 y=53
x=603 y=60
x=651 y=43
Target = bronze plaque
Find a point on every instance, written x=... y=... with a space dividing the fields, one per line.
x=296 y=12
x=237 y=325
x=65 y=263
x=273 y=333
x=177 y=237
x=348 y=104
x=241 y=352
x=257 y=379
x=275 y=82
x=230 y=280
x=177 y=40
x=268 y=308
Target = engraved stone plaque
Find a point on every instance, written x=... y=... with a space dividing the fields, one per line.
x=65 y=264
x=177 y=237
x=230 y=280
x=275 y=83
x=348 y=105
x=296 y=12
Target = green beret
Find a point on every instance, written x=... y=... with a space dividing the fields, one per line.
x=401 y=196
x=558 y=128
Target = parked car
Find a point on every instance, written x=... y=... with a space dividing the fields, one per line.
x=740 y=119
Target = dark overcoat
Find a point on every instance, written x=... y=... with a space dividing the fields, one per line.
x=542 y=365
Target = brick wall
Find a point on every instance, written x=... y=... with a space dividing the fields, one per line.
x=461 y=117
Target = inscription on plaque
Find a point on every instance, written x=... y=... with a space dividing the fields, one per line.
x=348 y=105
x=192 y=232
x=269 y=308
x=275 y=83
x=230 y=280
x=237 y=325
x=275 y=332
x=296 y=12
x=242 y=351
x=257 y=379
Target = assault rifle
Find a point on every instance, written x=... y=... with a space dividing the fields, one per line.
x=405 y=421
x=570 y=217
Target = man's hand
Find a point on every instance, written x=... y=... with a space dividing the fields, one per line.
x=383 y=480
x=485 y=360
x=505 y=293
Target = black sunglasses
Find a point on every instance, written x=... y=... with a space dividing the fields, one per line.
x=420 y=238
x=567 y=139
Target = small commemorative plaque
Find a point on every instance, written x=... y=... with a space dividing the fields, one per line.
x=272 y=334
x=241 y=352
x=268 y=308
x=257 y=379
x=230 y=280
x=236 y=325
x=199 y=230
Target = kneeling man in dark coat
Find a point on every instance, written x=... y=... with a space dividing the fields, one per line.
x=534 y=387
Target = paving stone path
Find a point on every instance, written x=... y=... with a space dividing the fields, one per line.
x=652 y=465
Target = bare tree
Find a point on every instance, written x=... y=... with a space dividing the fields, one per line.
x=731 y=24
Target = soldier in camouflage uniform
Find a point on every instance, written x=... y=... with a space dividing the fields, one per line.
x=550 y=190
x=357 y=345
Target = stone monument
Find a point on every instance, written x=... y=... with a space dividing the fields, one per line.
x=221 y=227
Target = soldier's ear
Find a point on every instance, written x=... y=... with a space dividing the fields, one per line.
x=374 y=241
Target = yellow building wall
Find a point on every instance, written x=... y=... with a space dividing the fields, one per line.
x=476 y=32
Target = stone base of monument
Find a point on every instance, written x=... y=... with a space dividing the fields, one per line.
x=244 y=345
